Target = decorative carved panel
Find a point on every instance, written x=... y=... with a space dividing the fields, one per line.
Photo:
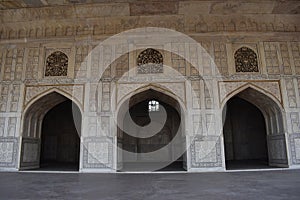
x=196 y=94
x=13 y=65
x=106 y=94
x=295 y=122
x=97 y=152
x=12 y=123
x=81 y=61
x=291 y=93
x=295 y=46
x=8 y=69
x=271 y=57
x=57 y=64
x=178 y=57
x=32 y=63
x=8 y=151
x=294 y=139
x=245 y=60
x=2 y=126
x=205 y=151
x=15 y=97
x=208 y=96
x=197 y=124
x=150 y=61
x=286 y=65
x=220 y=57
x=4 y=92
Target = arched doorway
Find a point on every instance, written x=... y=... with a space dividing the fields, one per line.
x=253 y=132
x=60 y=141
x=140 y=149
x=51 y=134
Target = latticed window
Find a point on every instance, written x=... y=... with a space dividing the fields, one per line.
x=57 y=64
x=153 y=106
x=150 y=61
x=245 y=60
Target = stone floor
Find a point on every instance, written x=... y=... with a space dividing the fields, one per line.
x=275 y=184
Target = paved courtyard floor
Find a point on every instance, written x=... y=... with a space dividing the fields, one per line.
x=275 y=184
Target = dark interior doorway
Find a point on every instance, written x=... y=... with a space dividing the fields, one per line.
x=60 y=140
x=245 y=136
x=139 y=112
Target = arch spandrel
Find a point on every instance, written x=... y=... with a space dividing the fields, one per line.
x=128 y=91
x=73 y=92
x=229 y=89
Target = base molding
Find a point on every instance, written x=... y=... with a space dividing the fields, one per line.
x=211 y=169
x=97 y=171
x=6 y=169
x=294 y=167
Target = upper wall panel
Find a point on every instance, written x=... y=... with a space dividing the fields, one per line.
x=171 y=6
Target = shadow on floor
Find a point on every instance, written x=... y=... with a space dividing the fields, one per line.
x=247 y=164
x=139 y=166
x=58 y=167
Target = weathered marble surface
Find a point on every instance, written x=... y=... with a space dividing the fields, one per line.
x=203 y=85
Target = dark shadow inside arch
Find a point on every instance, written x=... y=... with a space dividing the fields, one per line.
x=51 y=135
x=60 y=141
x=140 y=106
x=253 y=132
x=245 y=136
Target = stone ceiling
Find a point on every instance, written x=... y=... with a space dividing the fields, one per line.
x=273 y=6
x=14 y=4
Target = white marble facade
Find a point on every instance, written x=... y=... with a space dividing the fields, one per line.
x=101 y=76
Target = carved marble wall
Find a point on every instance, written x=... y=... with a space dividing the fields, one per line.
x=29 y=36
x=9 y=152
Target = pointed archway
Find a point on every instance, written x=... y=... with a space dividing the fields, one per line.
x=139 y=148
x=51 y=134
x=253 y=131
